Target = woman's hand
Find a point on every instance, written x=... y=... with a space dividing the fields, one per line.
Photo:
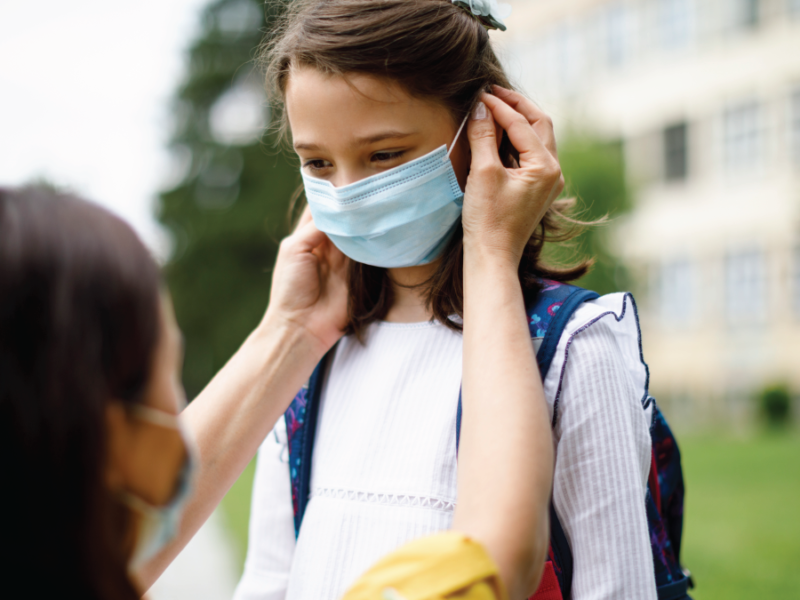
x=503 y=206
x=309 y=285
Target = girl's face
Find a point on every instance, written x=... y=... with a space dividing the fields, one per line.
x=347 y=129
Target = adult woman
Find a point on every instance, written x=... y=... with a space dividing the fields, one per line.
x=85 y=343
x=400 y=76
x=95 y=462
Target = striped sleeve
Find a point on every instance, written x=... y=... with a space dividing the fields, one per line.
x=603 y=448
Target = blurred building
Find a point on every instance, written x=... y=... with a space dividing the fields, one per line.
x=705 y=96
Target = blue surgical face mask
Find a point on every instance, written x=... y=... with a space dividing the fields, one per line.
x=399 y=218
x=159 y=524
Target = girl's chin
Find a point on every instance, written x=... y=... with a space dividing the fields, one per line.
x=418 y=273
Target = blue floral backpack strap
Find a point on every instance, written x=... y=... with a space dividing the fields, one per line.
x=664 y=503
x=547 y=318
x=301 y=426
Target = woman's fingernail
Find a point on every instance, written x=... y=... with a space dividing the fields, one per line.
x=479 y=112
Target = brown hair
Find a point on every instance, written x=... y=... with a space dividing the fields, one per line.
x=79 y=323
x=438 y=52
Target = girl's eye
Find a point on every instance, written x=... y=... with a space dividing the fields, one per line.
x=386 y=156
x=316 y=164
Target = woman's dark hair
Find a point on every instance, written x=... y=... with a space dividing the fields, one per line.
x=438 y=52
x=79 y=324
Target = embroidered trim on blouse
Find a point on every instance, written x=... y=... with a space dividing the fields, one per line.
x=386 y=499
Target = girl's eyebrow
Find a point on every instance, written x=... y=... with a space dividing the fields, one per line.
x=305 y=146
x=384 y=135
x=363 y=141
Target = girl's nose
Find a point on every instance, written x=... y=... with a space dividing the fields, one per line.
x=347 y=175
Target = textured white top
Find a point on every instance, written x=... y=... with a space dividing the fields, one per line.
x=384 y=467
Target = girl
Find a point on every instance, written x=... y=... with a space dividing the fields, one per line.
x=374 y=93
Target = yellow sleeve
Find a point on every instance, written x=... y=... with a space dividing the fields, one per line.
x=446 y=565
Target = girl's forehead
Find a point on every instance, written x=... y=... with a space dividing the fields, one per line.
x=353 y=90
x=319 y=103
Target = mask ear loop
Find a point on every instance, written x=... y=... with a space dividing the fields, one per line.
x=458 y=134
x=155 y=416
x=464 y=122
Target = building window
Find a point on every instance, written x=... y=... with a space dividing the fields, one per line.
x=564 y=54
x=745 y=287
x=746 y=14
x=676 y=152
x=617 y=34
x=677 y=299
x=794 y=133
x=674 y=22
x=742 y=136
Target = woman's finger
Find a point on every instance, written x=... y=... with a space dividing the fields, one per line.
x=483 y=138
x=520 y=133
x=539 y=120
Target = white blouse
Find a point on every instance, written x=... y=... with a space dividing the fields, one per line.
x=384 y=465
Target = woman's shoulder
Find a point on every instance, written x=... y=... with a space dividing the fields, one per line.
x=601 y=336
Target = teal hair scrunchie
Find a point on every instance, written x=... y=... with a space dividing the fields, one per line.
x=490 y=13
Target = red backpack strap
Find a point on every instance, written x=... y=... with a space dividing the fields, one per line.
x=549 y=589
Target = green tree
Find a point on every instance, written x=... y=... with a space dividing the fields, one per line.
x=595 y=174
x=229 y=210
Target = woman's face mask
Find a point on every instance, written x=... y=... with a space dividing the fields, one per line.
x=159 y=524
x=150 y=456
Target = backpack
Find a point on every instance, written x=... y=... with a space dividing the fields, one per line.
x=547 y=318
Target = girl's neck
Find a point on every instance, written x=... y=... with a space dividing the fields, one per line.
x=409 y=301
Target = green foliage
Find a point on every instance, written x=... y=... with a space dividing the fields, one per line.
x=741 y=532
x=595 y=174
x=774 y=405
x=227 y=214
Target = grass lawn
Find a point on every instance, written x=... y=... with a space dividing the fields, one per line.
x=742 y=525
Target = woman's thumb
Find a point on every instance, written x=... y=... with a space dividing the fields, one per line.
x=482 y=137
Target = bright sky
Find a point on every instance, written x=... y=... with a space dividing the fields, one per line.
x=85 y=88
